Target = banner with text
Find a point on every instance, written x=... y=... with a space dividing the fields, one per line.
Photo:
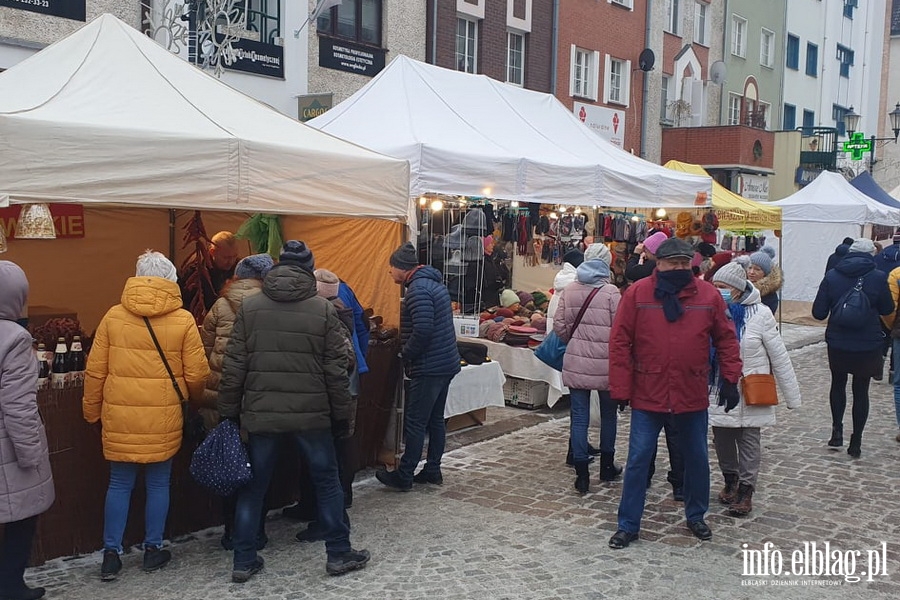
x=67 y=9
x=347 y=56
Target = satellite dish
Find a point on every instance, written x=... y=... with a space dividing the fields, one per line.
x=717 y=72
x=646 y=60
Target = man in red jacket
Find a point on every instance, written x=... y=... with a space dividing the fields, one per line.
x=659 y=363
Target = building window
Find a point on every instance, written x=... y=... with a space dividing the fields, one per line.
x=767 y=48
x=792 y=54
x=790 y=117
x=466 y=43
x=734 y=109
x=701 y=9
x=357 y=20
x=664 y=100
x=515 y=58
x=837 y=113
x=739 y=36
x=812 y=60
x=263 y=16
x=845 y=55
x=849 y=5
x=672 y=21
x=809 y=121
x=583 y=79
x=629 y=4
x=617 y=77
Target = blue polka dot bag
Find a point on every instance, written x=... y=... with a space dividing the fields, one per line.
x=220 y=462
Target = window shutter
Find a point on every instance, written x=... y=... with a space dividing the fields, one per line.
x=572 y=71
x=595 y=74
x=626 y=84
x=698 y=102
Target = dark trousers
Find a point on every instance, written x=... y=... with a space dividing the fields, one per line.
x=308 y=502
x=838 y=400
x=426 y=398
x=676 y=459
x=15 y=549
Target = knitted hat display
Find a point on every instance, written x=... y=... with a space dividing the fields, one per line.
x=505 y=313
x=763 y=258
x=405 y=258
x=488 y=242
x=297 y=253
x=327 y=283
x=508 y=298
x=863 y=245
x=683 y=223
x=524 y=298
x=574 y=257
x=732 y=274
x=706 y=249
x=255 y=266
x=652 y=243
x=540 y=299
x=595 y=251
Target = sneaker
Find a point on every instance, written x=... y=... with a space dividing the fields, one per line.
x=700 y=530
x=243 y=575
x=347 y=561
x=111 y=566
x=621 y=539
x=392 y=479
x=426 y=477
x=155 y=559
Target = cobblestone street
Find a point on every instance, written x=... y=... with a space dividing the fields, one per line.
x=508 y=524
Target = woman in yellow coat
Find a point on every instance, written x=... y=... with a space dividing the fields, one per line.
x=128 y=390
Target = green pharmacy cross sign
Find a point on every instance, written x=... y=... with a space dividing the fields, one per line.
x=857 y=145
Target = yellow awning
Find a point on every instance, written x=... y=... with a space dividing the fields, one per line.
x=735 y=212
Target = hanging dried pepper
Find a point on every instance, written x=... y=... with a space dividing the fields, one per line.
x=198 y=278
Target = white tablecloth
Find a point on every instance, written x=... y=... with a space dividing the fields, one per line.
x=476 y=386
x=523 y=364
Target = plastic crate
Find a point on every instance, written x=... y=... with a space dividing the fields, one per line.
x=525 y=393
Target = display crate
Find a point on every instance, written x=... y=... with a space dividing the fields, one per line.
x=525 y=393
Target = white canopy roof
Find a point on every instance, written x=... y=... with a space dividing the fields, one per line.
x=107 y=115
x=474 y=136
x=831 y=199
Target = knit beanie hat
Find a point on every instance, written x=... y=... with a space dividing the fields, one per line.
x=256 y=266
x=862 y=245
x=327 y=283
x=405 y=257
x=154 y=264
x=540 y=299
x=706 y=250
x=652 y=243
x=297 y=253
x=732 y=274
x=763 y=258
x=508 y=298
x=574 y=257
x=524 y=298
x=488 y=242
x=595 y=251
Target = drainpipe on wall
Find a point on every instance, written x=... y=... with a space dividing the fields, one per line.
x=554 y=50
x=434 y=19
x=646 y=98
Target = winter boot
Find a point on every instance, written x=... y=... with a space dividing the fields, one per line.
x=837 y=436
x=592 y=450
x=729 y=493
x=570 y=461
x=609 y=470
x=855 y=443
x=742 y=505
x=582 y=481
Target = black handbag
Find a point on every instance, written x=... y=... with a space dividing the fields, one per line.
x=192 y=422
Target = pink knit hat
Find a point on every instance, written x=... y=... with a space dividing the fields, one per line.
x=652 y=243
x=488 y=244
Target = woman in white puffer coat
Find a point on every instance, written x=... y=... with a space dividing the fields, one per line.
x=736 y=433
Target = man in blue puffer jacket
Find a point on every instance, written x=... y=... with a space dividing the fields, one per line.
x=430 y=359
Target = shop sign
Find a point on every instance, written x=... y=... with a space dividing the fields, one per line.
x=608 y=123
x=312 y=105
x=257 y=58
x=347 y=56
x=754 y=187
x=805 y=176
x=68 y=219
x=67 y=9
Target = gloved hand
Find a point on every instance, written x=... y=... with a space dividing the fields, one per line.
x=729 y=396
x=622 y=404
x=342 y=429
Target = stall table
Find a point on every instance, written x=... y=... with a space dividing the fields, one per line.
x=473 y=389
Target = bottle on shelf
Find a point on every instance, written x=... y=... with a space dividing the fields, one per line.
x=59 y=375
x=75 y=361
x=43 y=368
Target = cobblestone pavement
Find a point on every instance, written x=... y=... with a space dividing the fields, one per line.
x=508 y=524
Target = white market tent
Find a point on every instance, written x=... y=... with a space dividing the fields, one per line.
x=474 y=136
x=106 y=115
x=814 y=221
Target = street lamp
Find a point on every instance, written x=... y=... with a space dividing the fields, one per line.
x=858 y=145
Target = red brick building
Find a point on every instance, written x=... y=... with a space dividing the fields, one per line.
x=598 y=74
x=508 y=40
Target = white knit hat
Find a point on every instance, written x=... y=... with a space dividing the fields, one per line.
x=862 y=245
x=154 y=264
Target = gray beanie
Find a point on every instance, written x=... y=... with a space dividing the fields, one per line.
x=732 y=274
x=297 y=253
x=405 y=257
x=862 y=245
x=763 y=258
x=256 y=266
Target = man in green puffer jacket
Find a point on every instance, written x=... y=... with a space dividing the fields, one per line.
x=287 y=361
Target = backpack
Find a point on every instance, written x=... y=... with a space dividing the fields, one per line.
x=852 y=307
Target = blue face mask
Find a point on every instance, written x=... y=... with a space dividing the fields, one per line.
x=726 y=295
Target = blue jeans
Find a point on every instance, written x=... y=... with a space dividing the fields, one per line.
x=645 y=428
x=122 y=476
x=317 y=447
x=580 y=411
x=896 y=380
x=426 y=398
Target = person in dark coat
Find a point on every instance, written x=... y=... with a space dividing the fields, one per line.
x=224 y=255
x=839 y=253
x=285 y=372
x=889 y=259
x=430 y=359
x=643 y=261
x=766 y=276
x=855 y=349
x=26 y=484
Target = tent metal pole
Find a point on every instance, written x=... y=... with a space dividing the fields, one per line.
x=172 y=235
x=780 y=262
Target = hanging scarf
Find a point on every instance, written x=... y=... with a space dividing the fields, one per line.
x=668 y=285
x=739 y=315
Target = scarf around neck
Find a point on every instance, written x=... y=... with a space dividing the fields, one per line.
x=668 y=285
